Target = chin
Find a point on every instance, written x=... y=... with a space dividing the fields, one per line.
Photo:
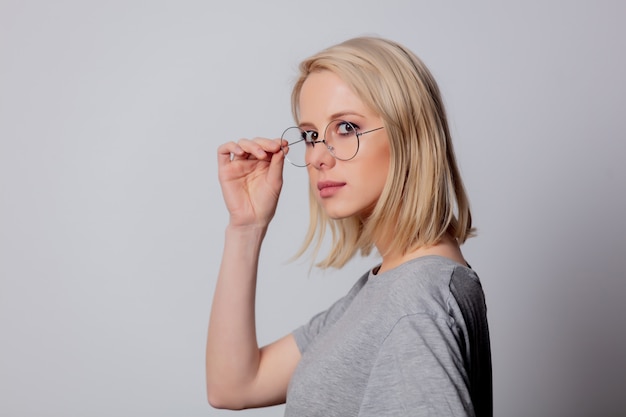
x=339 y=210
x=347 y=214
x=338 y=216
x=335 y=214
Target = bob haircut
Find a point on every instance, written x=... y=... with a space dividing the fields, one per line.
x=423 y=197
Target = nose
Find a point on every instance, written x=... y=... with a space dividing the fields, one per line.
x=319 y=155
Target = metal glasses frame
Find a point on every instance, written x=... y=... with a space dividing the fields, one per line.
x=328 y=147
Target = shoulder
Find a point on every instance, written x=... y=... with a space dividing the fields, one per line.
x=323 y=320
x=428 y=285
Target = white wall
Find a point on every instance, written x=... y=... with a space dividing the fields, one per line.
x=111 y=219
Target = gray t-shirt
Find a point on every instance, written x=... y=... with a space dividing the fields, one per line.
x=412 y=341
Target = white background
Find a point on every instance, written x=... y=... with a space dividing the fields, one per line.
x=111 y=219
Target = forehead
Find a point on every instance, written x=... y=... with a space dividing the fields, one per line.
x=324 y=95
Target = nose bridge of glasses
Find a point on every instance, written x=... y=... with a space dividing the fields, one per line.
x=318 y=154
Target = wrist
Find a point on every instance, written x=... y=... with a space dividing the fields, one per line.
x=248 y=231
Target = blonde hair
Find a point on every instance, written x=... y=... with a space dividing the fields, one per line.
x=423 y=197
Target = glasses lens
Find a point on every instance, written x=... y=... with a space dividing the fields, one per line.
x=342 y=140
x=296 y=148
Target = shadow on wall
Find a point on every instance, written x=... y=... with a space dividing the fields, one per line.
x=578 y=312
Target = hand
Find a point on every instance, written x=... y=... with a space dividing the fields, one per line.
x=250 y=174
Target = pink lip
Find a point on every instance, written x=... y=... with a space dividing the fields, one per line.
x=329 y=188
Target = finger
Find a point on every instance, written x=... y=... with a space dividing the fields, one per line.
x=271 y=145
x=244 y=149
x=227 y=151
x=275 y=171
x=260 y=148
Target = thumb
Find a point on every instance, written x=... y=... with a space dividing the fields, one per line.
x=275 y=171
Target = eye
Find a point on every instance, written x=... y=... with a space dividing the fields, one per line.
x=345 y=128
x=309 y=136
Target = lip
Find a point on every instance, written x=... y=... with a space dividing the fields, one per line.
x=329 y=188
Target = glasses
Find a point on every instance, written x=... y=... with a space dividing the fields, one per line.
x=341 y=138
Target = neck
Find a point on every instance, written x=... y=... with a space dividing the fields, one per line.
x=447 y=247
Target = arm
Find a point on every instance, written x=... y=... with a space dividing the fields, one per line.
x=239 y=374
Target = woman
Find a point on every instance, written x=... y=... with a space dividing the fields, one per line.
x=411 y=336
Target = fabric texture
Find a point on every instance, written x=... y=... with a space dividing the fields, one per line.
x=412 y=341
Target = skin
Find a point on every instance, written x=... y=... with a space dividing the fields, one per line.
x=358 y=182
x=239 y=373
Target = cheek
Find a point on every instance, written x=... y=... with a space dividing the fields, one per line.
x=380 y=171
x=377 y=179
x=311 y=172
x=378 y=164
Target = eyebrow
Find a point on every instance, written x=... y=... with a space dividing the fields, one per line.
x=335 y=116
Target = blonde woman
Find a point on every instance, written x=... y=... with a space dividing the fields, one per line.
x=411 y=337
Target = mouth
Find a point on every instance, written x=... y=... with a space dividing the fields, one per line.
x=329 y=188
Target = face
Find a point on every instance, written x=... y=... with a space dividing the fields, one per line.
x=343 y=188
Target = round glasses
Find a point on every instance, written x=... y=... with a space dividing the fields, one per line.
x=341 y=138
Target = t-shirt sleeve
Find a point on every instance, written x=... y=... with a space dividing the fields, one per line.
x=309 y=331
x=418 y=372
